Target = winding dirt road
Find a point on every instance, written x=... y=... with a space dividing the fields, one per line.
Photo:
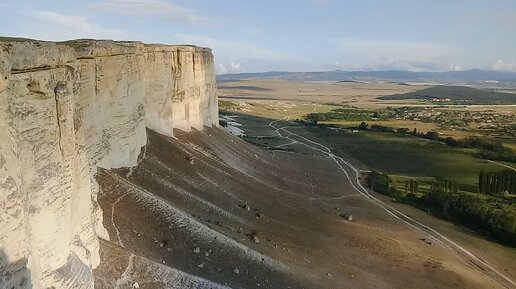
x=352 y=174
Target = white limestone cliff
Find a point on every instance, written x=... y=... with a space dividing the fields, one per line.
x=66 y=108
x=180 y=88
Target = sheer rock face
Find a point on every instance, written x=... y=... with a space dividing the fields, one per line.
x=180 y=88
x=66 y=108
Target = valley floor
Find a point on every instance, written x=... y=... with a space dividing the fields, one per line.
x=207 y=210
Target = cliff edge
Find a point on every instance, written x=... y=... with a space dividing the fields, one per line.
x=65 y=109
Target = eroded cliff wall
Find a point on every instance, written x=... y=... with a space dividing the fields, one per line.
x=65 y=109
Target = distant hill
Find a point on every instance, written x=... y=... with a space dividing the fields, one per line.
x=457 y=94
x=449 y=77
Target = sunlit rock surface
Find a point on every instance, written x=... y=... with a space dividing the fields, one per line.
x=65 y=109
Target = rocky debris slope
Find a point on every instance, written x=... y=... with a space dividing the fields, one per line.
x=244 y=217
x=65 y=109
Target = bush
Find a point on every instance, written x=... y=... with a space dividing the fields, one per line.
x=492 y=216
x=379 y=182
x=497 y=221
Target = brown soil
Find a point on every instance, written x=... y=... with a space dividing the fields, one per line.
x=358 y=94
x=206 y=209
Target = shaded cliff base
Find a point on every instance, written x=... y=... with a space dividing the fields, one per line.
x=207 y=210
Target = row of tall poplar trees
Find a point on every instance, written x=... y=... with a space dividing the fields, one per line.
x=500 y=182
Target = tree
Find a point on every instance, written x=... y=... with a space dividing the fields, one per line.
x=380 y=182
x=451 y=142
x=455 y=187
x=481 y=182
x=363 y=126
x=413 y=186
x=432 y=135
x=497 y=182
x=403 y=130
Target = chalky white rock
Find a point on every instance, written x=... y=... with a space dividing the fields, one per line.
x=65 y=109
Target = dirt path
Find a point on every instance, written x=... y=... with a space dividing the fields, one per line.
x=352 y=174
x=503 y=165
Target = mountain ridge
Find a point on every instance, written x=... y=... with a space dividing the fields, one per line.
x=467 y=76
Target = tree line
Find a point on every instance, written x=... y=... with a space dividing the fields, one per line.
x=352 y=114
x=446 y=187
x=487 y=149
x=492 y=183
x=380 y=183
x=493 y=216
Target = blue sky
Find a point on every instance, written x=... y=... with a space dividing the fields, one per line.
x=294 y=35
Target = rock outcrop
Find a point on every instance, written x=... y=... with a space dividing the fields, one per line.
x=65 y=109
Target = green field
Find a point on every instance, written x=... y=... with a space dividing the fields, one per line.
x=393 y=154
x=406 y=155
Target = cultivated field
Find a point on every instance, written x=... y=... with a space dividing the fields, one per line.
x=276 y=99
x=358 y=94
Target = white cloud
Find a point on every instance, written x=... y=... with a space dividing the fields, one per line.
x=391 y=50
x=455 y=67
x=423 y=65
x=502 y=65
x=221 y=69
x=228 y=50
x=237 y=56
x=57 y=26
x=375 y=54
x=228 y=68
x=152 y=8
x=235 y=66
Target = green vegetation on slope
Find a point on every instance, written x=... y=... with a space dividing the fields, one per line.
x=456 y=94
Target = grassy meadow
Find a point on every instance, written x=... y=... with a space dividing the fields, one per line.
x=406 y=155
